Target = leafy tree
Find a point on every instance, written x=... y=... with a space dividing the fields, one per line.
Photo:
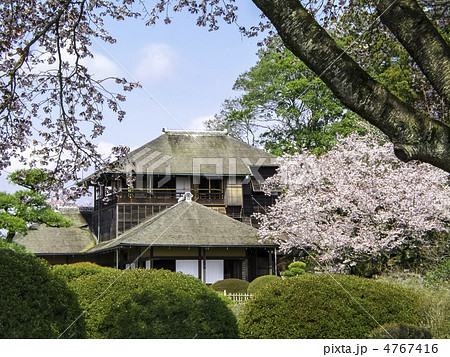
x=295 y=268
x=356 y=204
x=285 y=106
x=20 y=209
x=45 y=85
x=379 y=53
x=57 y=100
x=415 y=134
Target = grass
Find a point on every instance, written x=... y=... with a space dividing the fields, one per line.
x=436 y=305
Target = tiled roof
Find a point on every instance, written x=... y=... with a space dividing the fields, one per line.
x=195 y=153
x=187 y=224
x=50 y=240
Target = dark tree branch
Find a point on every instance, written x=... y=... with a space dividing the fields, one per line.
x=421 y=39
x=23 y=54
x=415 y=135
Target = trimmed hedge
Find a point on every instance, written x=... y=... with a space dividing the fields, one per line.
x=234 y=286
x=403 y=331
x=324 y=306
x=152 y=304
x=75 y=270
x=260 y=282
x=34 y=302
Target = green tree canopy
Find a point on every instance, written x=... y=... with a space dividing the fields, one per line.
x=20 y=209
x=284 y=106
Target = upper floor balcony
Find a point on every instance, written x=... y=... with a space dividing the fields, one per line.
x=165 y=196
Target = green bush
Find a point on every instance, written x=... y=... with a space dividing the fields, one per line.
x=436 y=306
x=152 y=304
x=295 y=268
x=226 y=300
x=34 y=302
x=260 y=282
x=399 y=330
x=234 y=286
x=73 y=271
x=14 y=247
x=327 y=306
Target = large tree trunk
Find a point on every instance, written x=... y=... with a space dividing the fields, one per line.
x=414 y=134
x=427 y=47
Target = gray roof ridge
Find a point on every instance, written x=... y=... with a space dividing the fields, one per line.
x=195 y=132
x=223 y=216
x=119 y=165
x=192 y=203
x=124 y=235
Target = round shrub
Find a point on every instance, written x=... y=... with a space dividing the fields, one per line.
x=75 y=270
x=403 y=331
x=260 y=282
x=326 y=306
x=152 y=304
x=234 y=286
x=295 y=268
x=34 y=302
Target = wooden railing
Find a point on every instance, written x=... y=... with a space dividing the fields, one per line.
x=164 y=195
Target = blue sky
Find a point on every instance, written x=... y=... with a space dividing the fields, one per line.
x=188 y=70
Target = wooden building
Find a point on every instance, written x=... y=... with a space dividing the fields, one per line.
x=221 y=172
x=193 y=239
x=182 y=202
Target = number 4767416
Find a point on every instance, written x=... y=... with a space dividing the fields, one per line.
x=411 y=348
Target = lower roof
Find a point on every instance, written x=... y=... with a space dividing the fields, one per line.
x=187 y=224
x=42 y=239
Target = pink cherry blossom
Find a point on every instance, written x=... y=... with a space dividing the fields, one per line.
x=355 y=202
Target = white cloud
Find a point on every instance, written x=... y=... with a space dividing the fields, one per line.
x=197 y=123
x=102 y=67
x=105 y=148
x=157 y=61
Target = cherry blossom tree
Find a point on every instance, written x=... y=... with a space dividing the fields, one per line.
x=355 y=203
x=52 y=106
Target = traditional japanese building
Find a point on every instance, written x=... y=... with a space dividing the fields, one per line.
x=182 y=202
x=194 y=239
x=220 y=171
